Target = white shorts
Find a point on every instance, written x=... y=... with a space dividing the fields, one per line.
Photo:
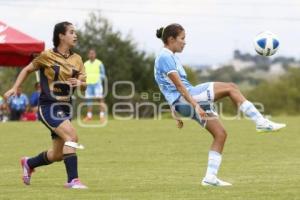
x=94 y=91
x=203 y=92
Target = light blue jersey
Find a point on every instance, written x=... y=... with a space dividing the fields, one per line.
x=165 y=63
x=18 y=102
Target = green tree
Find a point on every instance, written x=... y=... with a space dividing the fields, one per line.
x=122 y=59
x=280 y=97
x=192 y=75
x=8 y=77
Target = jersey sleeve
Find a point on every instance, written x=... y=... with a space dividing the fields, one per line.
x=102 y=72
x=40 y=61
x=82 y=73
x=167 y=65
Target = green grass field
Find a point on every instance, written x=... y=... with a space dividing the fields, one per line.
x=151 y=159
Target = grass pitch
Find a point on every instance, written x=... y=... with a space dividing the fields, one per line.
x=152 y=159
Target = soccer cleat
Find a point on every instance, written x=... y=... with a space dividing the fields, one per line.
x=269 y=126
x=27 y=171
x=214 y=181
x=75 y=184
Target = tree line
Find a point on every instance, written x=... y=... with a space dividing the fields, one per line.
x=125 y=62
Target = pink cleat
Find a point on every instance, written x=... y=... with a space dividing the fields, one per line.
x=75 y=184
x=27 y=171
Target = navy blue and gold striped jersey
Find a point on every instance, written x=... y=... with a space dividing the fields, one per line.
x=55 y=70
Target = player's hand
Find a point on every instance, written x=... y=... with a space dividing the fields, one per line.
x=74 y=82
x=200 y=112
x=179 y=123
x=9 y=93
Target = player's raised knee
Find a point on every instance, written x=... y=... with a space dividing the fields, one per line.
x=233 y=86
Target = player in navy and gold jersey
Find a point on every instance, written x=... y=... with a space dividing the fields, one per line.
x=61 y=71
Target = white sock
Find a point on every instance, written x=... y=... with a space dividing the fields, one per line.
x=89 y=114
x=250 y=111
x=101 y=114
x=214 y=162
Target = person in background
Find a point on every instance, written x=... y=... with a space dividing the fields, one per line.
x=95 y=75
x=17 y=105
x=32 y=114
x=3 y=117
x=34 y=98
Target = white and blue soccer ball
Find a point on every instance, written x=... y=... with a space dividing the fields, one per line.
x=266 y=43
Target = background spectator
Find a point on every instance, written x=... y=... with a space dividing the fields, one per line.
x=17 y=105
x=34 y=98
x=3 y=117
x=1 y=108
x=95 y=76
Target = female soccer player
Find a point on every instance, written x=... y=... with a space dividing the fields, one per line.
x=196 y=101
x=61 y=71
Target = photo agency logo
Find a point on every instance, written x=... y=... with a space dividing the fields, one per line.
x=125 y=108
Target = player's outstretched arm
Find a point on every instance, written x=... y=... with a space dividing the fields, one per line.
x=21 y=78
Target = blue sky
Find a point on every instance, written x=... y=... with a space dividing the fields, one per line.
x=214 y=27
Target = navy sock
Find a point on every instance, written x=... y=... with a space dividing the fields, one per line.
x=38 y=160
x=71 y=166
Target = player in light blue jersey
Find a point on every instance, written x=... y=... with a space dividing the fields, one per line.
x=196 y=101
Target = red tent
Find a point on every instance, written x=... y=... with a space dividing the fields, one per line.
x=17 y=48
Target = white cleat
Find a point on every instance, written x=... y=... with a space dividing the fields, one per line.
x=269 y=126
x=214 y=181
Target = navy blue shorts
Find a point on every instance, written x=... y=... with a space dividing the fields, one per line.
x=52 y=115
x=186 y=110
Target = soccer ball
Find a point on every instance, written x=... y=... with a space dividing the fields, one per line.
x=266 y=43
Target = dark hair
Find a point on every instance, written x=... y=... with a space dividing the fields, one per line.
x=92 y=49
x=172 y=30
x=59 y=28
